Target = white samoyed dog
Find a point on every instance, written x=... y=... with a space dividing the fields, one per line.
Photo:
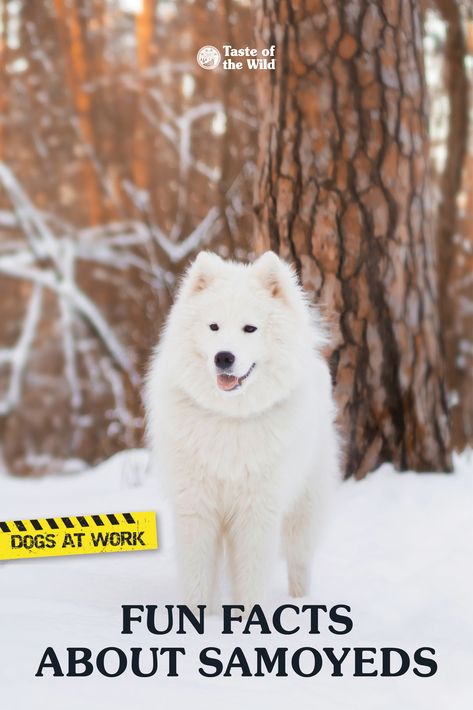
x=241 y=424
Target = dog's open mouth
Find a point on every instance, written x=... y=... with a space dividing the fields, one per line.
x=228 y=383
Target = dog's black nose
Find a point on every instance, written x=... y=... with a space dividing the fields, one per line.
x=223 y=360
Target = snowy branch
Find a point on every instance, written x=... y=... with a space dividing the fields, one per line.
x=17 y=357
x=49 y=261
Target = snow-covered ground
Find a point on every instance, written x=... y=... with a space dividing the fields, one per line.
x=398 y=551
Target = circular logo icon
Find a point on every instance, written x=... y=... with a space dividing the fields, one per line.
x=208 y=57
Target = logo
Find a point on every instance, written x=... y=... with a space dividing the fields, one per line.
x=237 y=58
x=77 y=535
x=208 y=57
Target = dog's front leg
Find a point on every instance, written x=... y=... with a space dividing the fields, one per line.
x=197 y=538
x=252 y=546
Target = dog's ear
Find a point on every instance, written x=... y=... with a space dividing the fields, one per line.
x=270 y=270
x=203 y=271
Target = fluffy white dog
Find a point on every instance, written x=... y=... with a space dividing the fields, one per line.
x=241 y=422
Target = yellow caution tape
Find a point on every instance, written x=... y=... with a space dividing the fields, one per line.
x=77 y=535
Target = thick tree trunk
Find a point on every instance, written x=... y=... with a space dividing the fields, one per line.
x=343 y=191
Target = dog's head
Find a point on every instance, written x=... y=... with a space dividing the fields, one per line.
x=240 y=335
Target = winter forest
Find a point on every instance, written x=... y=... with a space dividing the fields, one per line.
x=121 y=158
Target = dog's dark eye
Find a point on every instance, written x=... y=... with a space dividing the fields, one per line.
x=249 y=328
x=213 y=326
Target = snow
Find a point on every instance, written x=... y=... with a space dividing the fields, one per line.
x=398 y=551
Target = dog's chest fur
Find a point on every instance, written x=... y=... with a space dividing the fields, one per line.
x=232 y=449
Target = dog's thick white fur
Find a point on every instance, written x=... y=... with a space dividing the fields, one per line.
x=248 y=447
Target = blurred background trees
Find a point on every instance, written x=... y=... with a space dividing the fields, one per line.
x=120 y=158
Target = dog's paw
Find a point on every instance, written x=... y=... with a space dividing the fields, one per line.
x=299 y=581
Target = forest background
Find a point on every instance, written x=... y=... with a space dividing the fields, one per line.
x=121 y=158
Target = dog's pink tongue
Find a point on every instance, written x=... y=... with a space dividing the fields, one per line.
x=227 y=382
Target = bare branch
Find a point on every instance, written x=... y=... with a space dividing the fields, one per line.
x=18 y=356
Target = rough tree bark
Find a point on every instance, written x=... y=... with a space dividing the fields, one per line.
x=343 y=192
